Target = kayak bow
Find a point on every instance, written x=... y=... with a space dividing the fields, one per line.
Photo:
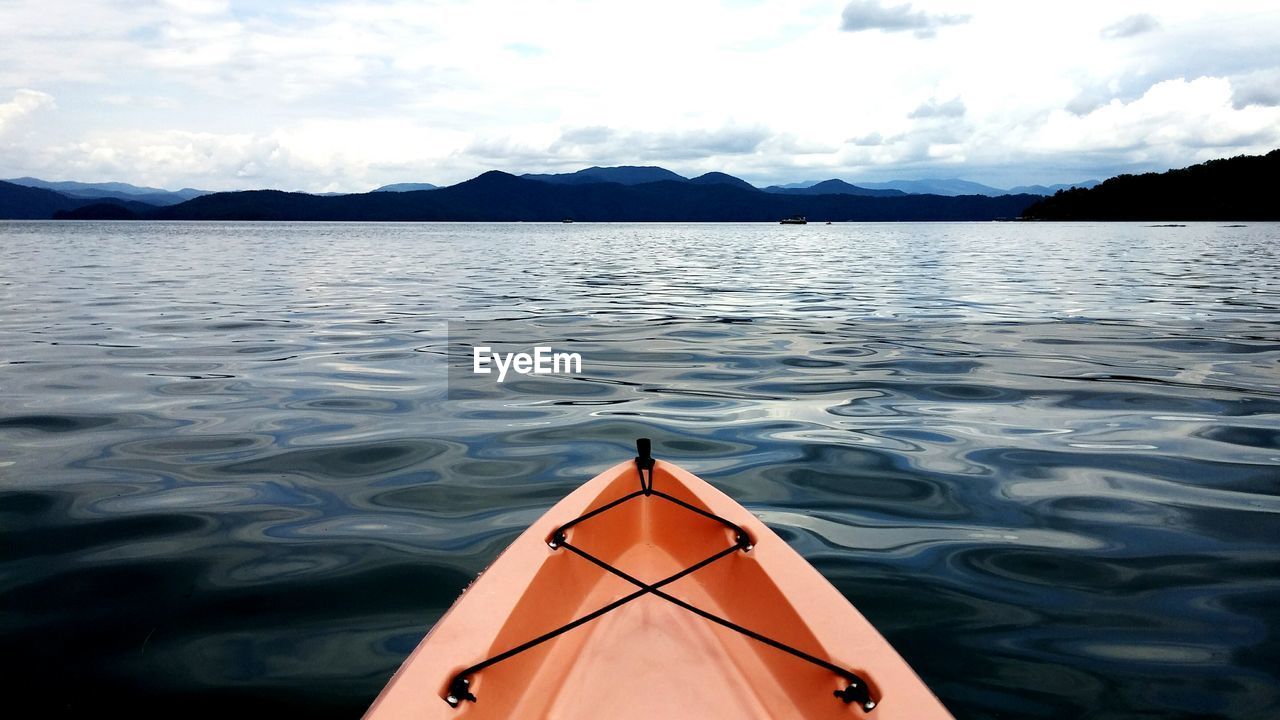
x=647 y=593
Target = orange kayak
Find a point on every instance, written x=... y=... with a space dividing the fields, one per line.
x=647 y=593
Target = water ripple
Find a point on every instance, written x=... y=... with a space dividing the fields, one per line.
x=1042 y=458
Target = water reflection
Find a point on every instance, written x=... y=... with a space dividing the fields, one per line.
x=1043 y=459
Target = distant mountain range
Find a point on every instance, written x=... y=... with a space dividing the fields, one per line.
x=1238 y=188
x=118 y=190
x=499 y=196
x=20 y=202
x=836 y=187
x=595 y=193
x=623 y=175
x=939 y=186
x=719 y=178
x=1225 y=188
x=637 y=175
x=1051 y=189
x=404 y=187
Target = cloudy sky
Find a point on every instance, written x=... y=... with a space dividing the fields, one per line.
x=346 y=95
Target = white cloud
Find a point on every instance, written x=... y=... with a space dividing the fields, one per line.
x=861 y=15
x=25 y=102
x=1261 y=87
x=313 y=156
x=931 y=108
x=1130 y=26
x=1176 y=121
x=871 y=139
x=350 y=94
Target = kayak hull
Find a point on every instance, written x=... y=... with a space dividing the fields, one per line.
x=652 y=658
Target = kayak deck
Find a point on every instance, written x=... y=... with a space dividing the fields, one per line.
x=649 y=656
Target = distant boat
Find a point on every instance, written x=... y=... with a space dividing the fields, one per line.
x=567 y=220
x=795 y=220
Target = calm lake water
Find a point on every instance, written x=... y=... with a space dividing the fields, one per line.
x=1044 y=459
